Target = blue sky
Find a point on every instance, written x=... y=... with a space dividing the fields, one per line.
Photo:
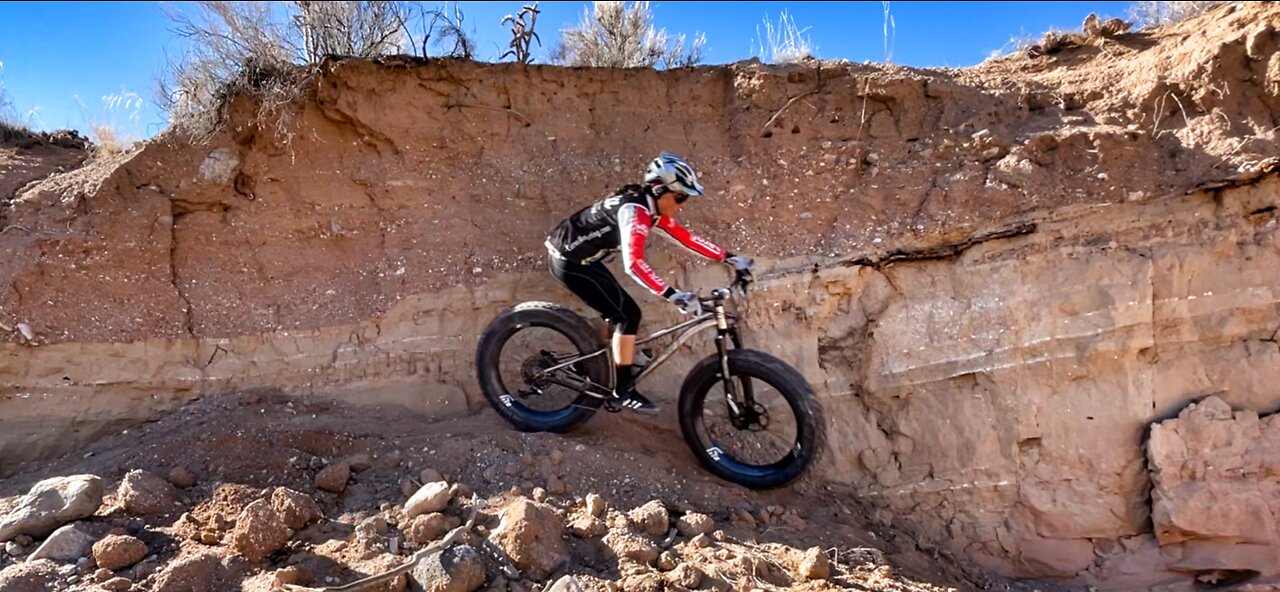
x=74 y=64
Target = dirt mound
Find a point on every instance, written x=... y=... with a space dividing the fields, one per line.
x=264 y=451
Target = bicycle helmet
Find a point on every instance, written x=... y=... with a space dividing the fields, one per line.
x=673 y=172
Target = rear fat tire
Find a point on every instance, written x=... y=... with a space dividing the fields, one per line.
x=488 y=354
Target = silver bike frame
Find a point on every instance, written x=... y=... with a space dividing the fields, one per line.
x=698 y=324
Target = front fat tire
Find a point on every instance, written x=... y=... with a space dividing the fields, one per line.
x=810 y=423
x=488 y=354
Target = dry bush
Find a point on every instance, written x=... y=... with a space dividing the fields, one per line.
x=785 y=43
x=615 y=35
x=445 y=27
x=1156 y=13
x=267 y=50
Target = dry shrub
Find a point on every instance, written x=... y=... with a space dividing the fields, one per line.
x=1157 y=13
x=615 y=35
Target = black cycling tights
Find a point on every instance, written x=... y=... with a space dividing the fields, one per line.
x=596 y=286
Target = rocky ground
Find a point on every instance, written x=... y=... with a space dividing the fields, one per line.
x=257 y=491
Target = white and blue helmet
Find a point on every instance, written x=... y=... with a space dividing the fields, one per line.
x=673 y=172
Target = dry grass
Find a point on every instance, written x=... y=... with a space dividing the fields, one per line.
x=268 y=51
x=1156 y=13
x=784 y=43
x=615 y=35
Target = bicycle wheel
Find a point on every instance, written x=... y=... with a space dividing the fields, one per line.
x=764 y=447
x=515 y=349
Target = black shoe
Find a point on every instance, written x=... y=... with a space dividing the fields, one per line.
x=630 y=399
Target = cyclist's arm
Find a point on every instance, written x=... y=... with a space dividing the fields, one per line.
x=691 y=241
x=633 y=230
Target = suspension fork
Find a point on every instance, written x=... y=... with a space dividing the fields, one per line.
x=726 y=335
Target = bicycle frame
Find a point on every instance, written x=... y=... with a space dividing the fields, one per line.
x=724 y=323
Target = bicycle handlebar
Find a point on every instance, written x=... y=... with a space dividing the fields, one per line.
x=741 y=279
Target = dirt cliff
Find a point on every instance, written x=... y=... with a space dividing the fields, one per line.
x=997 y=278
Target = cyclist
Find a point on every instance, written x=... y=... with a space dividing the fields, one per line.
x=621 y=222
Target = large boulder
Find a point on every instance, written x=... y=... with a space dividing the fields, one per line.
x=52 y=503
x=1215 y=477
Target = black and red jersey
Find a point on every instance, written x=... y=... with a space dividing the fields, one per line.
x=621 y=222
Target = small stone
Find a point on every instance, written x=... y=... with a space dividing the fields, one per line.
x=101 y=575
x=429 y=475
x=296 y=508
x=539 y=494
x=117 y=585
x=694 y=524
x=815 y=564
x=426 y=528
x=23 y=540
x=13 y=549
x=142 y=493
x=587 y=526
x=333 y=478
x=701 y=541
x=744 y=519
x=358 y=462
x=180 y=477
x=210 y=538
x=719 y=536
x=371 y=527
x=432 y=497
x=288 y=575
x=460 y=490
x=686 y=575
x=666 y=561
x=556 y=486
x=557 y=457
x=68 y=543
x=114 y=552
x=651 y=518
x=595 y=505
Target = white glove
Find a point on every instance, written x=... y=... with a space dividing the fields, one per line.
x=739 y=262
x=687 y=302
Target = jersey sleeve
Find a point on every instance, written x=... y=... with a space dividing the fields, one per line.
x=633 y=229
x=691 y=241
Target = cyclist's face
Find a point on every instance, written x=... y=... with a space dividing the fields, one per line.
x=670 y=203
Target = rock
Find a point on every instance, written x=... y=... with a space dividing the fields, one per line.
x=701 y=541
x=288 y=575
x=102 y=574
x=531 y=535
x=457 y=569
x=557 y=457
x=429 y=475
x=52 y=503
x=1054 y=557
x=143 y=494
x=643 y=582
x=539 y=494
x=219 y=166
x=408 y=487
x=460 y=490
x=358 y=462
x=686 y=575
x=144 y=570
x=626 y=545
x=743 y=519
x=67 y=544
x=815 y=565
x=432 y=497
x=587 y=526
x=651 y=518
x=667 y=561
x=694 y=524
x=792 y=519
x=371 y=527
x=30 y=576
x=556 y=486
x=333 y=478
x=204 y=571
x=209 y=537
x=1212 y=472
x=118 y=551
x=117 y=585
x=297 y=509
x=595 y=505
x=566 y=584
x=259 y=531
x=13 y=549
x=180 y=477
x=426 y=528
